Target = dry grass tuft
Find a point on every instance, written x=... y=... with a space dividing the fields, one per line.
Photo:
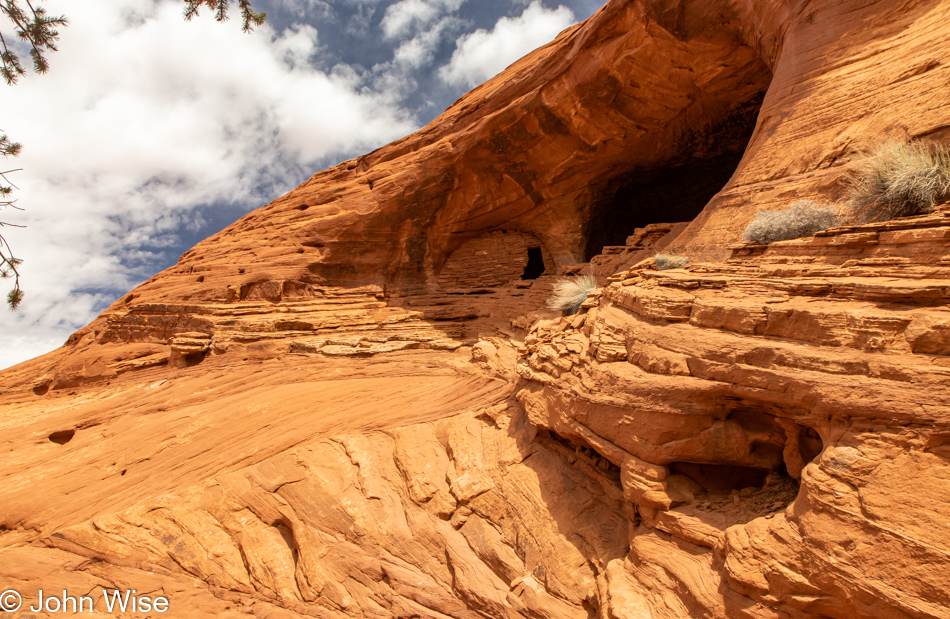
x=570 y=293
x=899 y=179
x=665 y=261
x=803 y=218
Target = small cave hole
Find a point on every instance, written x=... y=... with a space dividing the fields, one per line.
x=302 y=207
x=740 y=493
x=241 y=271
x=123 y=472
x=535 y=267
x=201 y=278
x=41 y=389
x=62 y=437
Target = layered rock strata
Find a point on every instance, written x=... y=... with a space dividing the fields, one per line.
x=764 y=413
x=642 y=244
x=354 y=403
x=726 y=440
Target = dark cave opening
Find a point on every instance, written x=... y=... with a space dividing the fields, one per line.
x=721 y=477
x=676 y=192
x=535 y=267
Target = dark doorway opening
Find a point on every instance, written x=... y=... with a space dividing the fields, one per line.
x=535 y=267
x=677 y=191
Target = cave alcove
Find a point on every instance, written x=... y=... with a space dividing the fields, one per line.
x=676 y=191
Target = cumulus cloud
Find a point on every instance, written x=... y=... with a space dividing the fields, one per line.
x=301 y=8
x=416 y=47
x=420 y=50
x=145 y=120
x=481 y=55
x=407 y=16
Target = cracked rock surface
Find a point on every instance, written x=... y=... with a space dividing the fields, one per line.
x=354 y=402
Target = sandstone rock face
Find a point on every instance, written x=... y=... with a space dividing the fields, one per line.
x=759 y=411
x=354 y=402
x=846 y=74
x=643 y=244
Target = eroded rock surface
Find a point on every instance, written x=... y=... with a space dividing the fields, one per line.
x=761 y=411
x=354 y=402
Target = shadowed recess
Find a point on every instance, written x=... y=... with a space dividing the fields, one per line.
x=675 y=192
x=62 y=436
x=535 y=267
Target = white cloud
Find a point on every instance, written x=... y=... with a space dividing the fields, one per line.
x=144 y=118
x=481 y=55
x=420 y=50
x=415 y=56
x=407 y=16
x=17 y=348
x=300 y=8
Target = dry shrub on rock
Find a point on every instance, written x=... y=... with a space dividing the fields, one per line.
x=899 y=179
x=570 y=293
x=803 y=218
x=664 y=261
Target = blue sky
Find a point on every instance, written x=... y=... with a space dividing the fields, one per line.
x=149 y=134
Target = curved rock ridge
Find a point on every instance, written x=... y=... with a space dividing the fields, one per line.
x=539 y=150
x=635 y=117
x=354 y=402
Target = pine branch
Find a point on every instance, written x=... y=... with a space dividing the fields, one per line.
x=9 y=189
x=12 y=69
x=8 y=269
x=37 y=28
x=9 y=262
x=249 y=17
x=8 y=148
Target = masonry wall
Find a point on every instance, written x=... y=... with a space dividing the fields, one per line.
x=493 y=259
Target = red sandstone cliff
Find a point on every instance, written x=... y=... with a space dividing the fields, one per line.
x=351 y=402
